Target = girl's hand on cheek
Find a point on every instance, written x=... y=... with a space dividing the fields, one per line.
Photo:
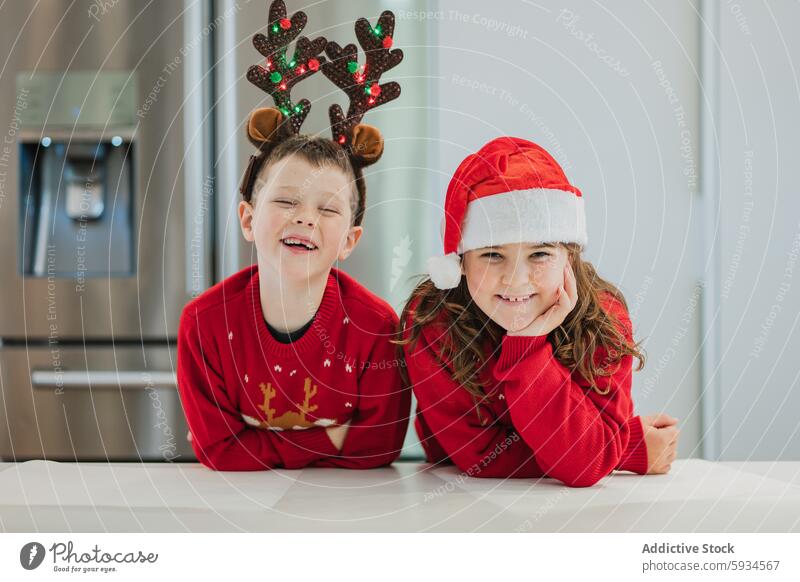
x=566 y=299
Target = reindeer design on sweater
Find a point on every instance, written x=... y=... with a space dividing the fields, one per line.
x=290 y=419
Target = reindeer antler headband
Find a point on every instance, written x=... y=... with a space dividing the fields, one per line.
x=361 y=83
x=279 y=74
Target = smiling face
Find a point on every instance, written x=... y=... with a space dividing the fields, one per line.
x=300 y=218
x=514 y=283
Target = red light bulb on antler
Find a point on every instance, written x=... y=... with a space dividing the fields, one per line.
x=285 y=23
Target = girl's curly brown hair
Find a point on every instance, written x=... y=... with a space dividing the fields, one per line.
x=467 y=330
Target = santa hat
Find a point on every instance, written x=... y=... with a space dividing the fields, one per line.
x=509 y=191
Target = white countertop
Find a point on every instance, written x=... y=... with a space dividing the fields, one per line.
x=696 y=496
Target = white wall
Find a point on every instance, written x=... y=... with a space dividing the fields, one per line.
x=760 y=231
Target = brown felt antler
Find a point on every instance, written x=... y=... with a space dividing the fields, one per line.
x=280 y=73
x=361 y=84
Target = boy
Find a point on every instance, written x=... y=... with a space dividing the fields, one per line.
x=288 y=363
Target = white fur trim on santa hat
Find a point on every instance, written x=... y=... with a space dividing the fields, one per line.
x=445 y=270
x=537 y=216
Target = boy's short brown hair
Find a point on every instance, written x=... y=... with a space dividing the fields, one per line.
x=317 y=151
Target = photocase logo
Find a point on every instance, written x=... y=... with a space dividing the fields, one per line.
x=31 y=555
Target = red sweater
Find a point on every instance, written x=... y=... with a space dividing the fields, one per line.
x=539 y=420
x=254 y=403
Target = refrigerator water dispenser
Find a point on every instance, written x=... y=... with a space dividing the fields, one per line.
x=77 y=215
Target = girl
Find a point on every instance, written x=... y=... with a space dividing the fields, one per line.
x=519 y=354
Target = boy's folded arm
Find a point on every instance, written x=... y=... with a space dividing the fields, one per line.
x=380 y=420
x=479 y=451
x=220 y=438
x=579 y=436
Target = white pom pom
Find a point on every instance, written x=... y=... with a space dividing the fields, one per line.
x=445 y=270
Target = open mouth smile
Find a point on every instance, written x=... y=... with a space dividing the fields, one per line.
x=298 y=245
x=515 y=299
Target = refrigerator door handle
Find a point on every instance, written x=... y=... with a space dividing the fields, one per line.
x=198 y=137
x=127 y=379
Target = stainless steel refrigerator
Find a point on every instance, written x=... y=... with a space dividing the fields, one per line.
x=106 y=223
